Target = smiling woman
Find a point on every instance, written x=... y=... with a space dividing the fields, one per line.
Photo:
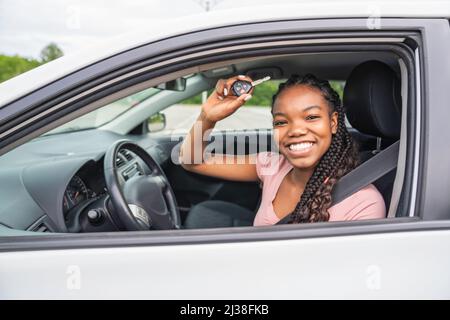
x=314 y=151
x=317 y=150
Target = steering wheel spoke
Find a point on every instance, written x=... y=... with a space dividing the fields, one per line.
x=141 y=215
x=142 y=202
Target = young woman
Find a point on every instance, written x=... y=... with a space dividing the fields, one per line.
x=314 y=151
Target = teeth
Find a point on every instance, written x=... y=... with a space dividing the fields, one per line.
x=300 y=146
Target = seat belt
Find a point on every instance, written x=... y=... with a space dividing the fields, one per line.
x=363 y=175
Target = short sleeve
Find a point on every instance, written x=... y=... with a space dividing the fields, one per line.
x=262 y=159
x=267 y=164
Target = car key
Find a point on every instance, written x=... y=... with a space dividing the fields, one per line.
x=241 y=87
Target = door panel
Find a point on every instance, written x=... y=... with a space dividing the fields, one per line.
x=371 y=266
x=191 y=188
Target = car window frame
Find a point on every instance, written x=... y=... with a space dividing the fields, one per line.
x=276 y=232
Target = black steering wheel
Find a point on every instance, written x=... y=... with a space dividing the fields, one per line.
x=142 y=201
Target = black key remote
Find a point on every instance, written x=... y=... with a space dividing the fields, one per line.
x=241 y=87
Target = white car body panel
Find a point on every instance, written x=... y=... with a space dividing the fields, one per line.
x=346 y=267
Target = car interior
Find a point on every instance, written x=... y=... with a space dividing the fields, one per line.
x=74 y=179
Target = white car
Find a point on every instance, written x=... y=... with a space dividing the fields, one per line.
x=74 y=223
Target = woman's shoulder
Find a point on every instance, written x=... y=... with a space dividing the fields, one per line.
x=369 y=193
x=269 y=164
x=367 y=203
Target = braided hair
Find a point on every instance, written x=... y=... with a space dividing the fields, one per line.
x=340 y=158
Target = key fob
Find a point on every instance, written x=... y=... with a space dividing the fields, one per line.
x=241 y=87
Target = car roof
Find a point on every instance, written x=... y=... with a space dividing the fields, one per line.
x=34 y=79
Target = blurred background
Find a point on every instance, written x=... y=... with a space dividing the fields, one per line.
x=35 y=32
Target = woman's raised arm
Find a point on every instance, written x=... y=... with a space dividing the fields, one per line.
x=219 y=105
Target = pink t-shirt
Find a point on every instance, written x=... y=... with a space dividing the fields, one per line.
x=272 y=167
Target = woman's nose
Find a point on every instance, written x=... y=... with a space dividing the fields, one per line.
x=297 y=131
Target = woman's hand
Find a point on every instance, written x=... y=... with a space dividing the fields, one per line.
x=222 y=103
x=219 y=105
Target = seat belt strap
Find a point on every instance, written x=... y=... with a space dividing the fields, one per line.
x=363 y=175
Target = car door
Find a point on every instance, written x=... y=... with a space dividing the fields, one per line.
x=402 y=257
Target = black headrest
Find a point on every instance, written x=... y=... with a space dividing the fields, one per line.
x=372 y=99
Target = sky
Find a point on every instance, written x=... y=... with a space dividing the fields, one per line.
x=27 y=26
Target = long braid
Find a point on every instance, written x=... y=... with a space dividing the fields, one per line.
x=340 y=158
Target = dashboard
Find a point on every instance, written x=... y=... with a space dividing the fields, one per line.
x=45 y=180
x=88 y=183
x=76 y=192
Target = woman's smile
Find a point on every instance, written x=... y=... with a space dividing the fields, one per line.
x=300 y=149
x=303 y=125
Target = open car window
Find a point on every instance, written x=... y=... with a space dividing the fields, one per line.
x=78 y=148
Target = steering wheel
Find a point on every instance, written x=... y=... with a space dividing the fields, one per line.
x=141 y=201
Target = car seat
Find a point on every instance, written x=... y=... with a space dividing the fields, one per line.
x=372 y=100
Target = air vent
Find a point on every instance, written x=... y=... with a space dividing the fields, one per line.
x=127 y=154
x=119 y=161
x=123 y=157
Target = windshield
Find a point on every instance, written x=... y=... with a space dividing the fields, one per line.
x=105 y=114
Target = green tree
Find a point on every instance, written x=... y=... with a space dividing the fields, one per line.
x=338 y=86
x=262 y=94
x=11 y=66
x=51 y=52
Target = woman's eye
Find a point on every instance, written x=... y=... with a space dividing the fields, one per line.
x=312 y=117
x=278 y=123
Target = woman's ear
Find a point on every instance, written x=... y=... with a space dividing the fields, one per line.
x=334 y=122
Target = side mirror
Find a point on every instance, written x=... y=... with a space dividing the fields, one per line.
x=156 y=122
x=173 y=85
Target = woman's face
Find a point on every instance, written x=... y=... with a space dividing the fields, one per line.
x=303 y=126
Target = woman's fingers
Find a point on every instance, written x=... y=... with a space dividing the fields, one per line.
x=222 y=89
x=223 y=86
x=218 y=89
x=222 y=103
x=237 y=103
